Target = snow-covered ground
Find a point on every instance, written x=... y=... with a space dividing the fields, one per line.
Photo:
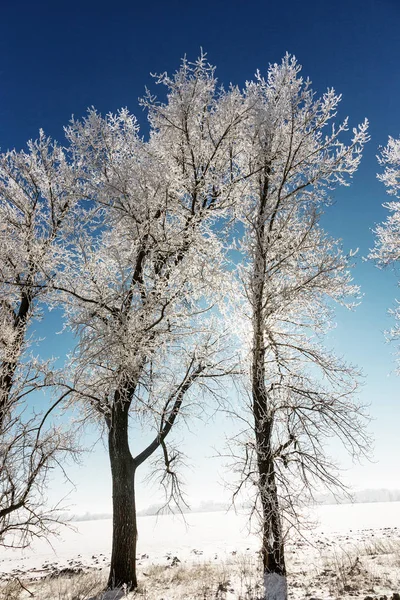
x=218 y=537
x=210 y=533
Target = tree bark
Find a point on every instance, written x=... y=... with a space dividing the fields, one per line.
x=124 y=538
x=272 y=551
x=123 y=469
x=272 y=548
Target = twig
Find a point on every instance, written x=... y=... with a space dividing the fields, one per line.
x=24 y=588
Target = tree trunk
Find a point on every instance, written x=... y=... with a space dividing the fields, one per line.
x=273 y=557
x=124 y=539
x=275 y=586
x=123 y=469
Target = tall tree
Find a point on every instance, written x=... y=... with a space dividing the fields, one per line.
x=35 y=199
x=292 y=271
x=387 y=243
x=145 y=267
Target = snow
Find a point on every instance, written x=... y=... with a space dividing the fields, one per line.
x=275 y=586
x=345 y=517
x=204 y=536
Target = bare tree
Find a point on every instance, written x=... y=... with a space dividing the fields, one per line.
x=35 y=198
x=144 y=272
x=291 y=273
x=30 y=449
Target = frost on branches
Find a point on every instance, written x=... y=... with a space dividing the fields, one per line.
x=35 y=198
x=132 y=238
x=144 y=271
x=387 y=243
x=291 y=273
x=390 y=159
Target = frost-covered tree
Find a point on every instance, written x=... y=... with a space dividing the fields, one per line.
x=387 y=244
x=144 y=270
x=291 y=275
x=390 y=160
x=35 y=198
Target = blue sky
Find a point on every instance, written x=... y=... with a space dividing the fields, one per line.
x=58 y=58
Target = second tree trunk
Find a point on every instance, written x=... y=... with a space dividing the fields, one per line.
x=124 y=540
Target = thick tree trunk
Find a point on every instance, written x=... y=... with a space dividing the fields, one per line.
x=273 y=557
x=272 y=548
x=124 y=539
x=123 y=469
x=272 y=551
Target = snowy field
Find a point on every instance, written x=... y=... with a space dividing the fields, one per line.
x=344 y=533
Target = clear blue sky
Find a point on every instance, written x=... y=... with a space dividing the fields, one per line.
x=58 y=58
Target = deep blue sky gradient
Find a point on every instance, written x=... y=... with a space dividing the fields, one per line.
x=58 y=58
